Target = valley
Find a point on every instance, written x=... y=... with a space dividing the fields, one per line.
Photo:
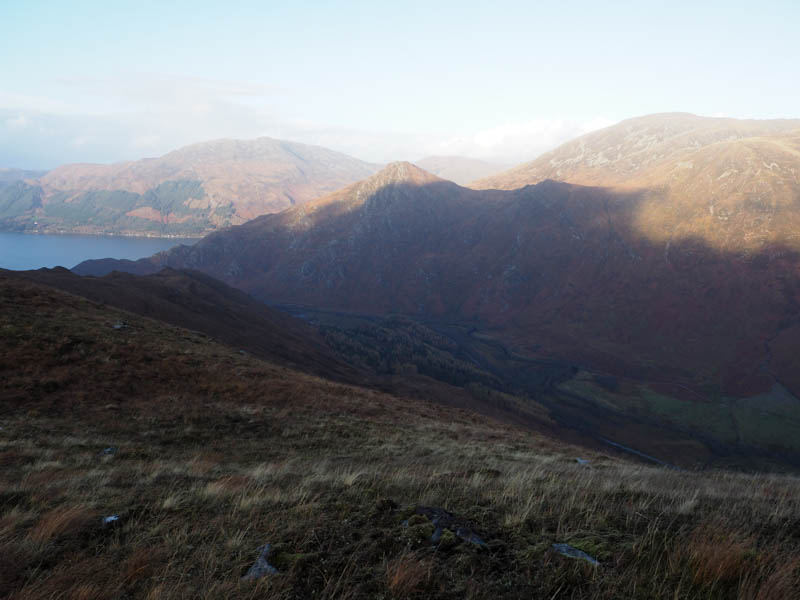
x=569 y=400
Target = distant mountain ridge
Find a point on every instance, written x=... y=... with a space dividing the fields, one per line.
x=190 y=191
x=636 y=151
x=10 y=175
x=735 y=184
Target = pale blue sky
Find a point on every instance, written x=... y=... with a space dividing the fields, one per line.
x=105 y=81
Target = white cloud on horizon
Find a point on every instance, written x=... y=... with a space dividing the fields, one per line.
x=519 y=141
x=157 y=114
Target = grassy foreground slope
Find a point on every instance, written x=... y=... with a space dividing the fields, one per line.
x=195 y=301
x=216 y=453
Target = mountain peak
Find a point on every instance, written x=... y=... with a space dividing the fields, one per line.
x=403 y=172
x=190 y=191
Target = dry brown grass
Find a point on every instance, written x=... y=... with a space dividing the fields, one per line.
x=718 y=556
x=407 y=574
x=782 y=582
x=64 y=522
x=141 y=565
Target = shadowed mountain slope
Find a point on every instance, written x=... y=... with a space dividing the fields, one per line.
x=201 y=303
x=552 y=270
x=189 y=191
x=557 y=264
x=198 y=302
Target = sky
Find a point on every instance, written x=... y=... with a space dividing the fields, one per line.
x=502 y=81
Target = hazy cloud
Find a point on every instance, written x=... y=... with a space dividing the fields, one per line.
x=20 y=122
x=507 y=143
x=153 y=115
x=521 y=141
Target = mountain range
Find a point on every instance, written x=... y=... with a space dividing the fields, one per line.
x=10 y=175
x=673 y=298
x=187 y=192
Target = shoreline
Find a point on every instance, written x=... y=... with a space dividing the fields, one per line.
x=110 y=234
x=25 y=251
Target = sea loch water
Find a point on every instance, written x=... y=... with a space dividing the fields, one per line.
x=21 y=252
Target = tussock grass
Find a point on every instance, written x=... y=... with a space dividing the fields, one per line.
x=64 y=521
x=408 y=574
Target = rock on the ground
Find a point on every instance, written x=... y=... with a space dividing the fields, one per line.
x=261 y=567
x=567 y=550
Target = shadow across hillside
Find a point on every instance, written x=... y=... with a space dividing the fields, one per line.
x=701 y=339
x=195 y=301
